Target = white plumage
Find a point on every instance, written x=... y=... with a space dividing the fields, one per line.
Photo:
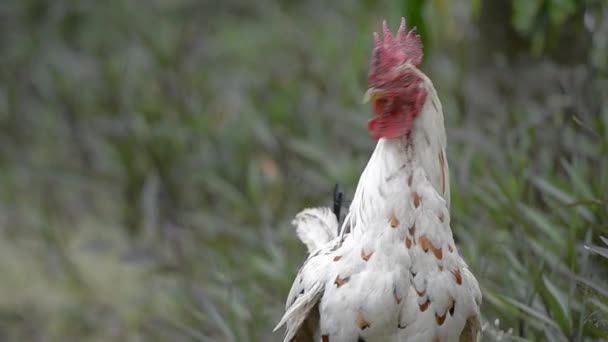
x=397 y=275
x=316 y=227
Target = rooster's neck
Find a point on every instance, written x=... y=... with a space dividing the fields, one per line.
x=384 y=183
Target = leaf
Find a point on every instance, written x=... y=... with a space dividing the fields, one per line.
x=562 y=312
x=213 y=313
x=542 y=222
x=514 y=262
x=579 y=183
x=543 y=252
x=530 y=311
x=561 y=196
x=598 y=250
x=486 y=198
x=552 y=190
x=499 y=301
x=599 y=305
x=599 y=288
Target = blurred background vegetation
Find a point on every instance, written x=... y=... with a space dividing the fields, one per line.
x=153 y=153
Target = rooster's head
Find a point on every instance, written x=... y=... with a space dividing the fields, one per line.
x=396 y=88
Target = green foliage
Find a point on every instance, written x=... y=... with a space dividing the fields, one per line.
x=152 y=155
x=542 y=20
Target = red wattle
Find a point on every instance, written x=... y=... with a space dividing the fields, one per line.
x=389 y=126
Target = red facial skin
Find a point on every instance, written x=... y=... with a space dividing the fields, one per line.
x=398 y=93
x=397 y=108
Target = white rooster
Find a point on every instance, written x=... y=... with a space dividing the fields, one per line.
x=396 y=275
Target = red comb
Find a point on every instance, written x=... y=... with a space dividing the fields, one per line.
x=393 y=51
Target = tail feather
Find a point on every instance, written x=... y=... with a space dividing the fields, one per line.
x=316 y=227
x=299 y=312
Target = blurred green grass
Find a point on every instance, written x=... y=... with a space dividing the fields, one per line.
x=153 y=153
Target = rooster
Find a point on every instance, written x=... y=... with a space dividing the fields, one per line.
x=395 y=274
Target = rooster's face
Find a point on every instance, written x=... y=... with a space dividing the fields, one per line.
x=396 y=87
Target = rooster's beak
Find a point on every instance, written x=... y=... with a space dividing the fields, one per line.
x=372 y=94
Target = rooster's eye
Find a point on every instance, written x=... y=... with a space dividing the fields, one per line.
x=380 y=106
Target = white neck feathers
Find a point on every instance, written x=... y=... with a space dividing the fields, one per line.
x=385 y=178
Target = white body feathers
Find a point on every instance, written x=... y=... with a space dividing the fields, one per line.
x=397 y=275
